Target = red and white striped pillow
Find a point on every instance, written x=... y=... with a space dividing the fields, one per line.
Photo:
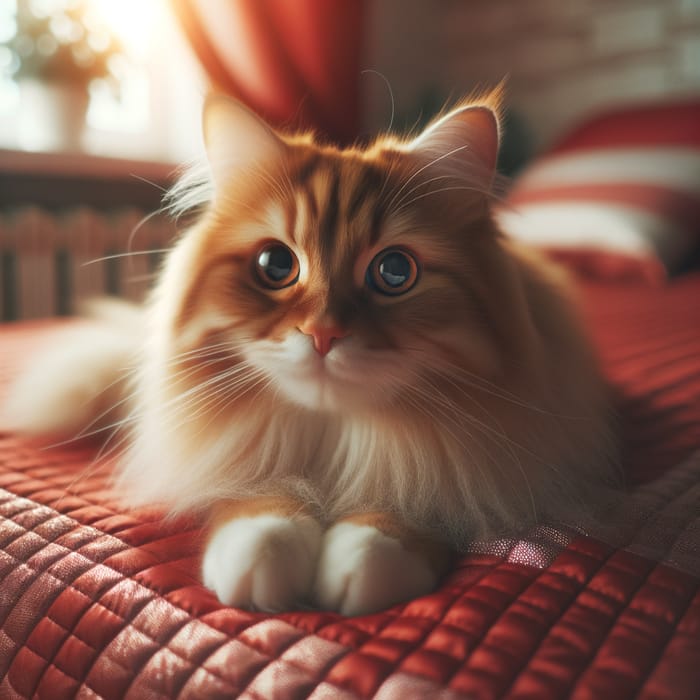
x=625 y=184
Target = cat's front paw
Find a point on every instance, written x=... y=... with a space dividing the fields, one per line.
x=266 y=562
x=361 y=570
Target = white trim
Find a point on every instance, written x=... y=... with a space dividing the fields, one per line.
x=573 y=224
x=678 y=168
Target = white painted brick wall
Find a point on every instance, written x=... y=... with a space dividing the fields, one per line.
x=629 y=29
x=689 y=9
x=564 y=58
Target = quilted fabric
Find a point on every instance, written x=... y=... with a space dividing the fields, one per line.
x=99 y=602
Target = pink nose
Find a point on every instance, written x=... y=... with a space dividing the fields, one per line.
x=323 y=335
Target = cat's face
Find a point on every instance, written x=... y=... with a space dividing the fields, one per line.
x=343 y=278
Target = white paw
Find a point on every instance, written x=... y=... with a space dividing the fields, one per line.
x=265 y=562
x=362 y=570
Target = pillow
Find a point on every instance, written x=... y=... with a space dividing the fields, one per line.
x=625 y=184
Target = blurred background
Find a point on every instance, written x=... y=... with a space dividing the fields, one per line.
x=99 y=99
x=564 y=59
x=97 y=76
x=126 y=78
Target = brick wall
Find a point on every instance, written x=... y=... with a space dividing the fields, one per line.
x=564 y=58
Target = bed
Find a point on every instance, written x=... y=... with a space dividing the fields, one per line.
x=101 y=602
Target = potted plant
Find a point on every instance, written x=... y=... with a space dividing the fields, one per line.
x=58 y=50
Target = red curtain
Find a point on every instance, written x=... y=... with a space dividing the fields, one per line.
x=295 y=62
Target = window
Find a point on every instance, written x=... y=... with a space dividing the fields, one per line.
x=104 y=77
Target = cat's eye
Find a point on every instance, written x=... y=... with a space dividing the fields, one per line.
x=393 y=271
x=276 y=266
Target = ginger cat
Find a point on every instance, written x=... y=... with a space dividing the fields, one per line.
x=345 y=365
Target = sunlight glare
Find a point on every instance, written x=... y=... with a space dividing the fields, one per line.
x=133 y=21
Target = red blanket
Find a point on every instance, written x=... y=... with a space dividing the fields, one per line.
x=98 y=602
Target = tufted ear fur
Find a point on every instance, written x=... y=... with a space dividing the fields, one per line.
x=463 y=143
x=236 y=140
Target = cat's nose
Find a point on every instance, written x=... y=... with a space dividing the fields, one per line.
x=323 y=335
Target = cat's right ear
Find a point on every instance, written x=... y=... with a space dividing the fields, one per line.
x=236 y=139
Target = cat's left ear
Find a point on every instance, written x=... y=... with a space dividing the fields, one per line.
x=236 y=139
x=463 y=143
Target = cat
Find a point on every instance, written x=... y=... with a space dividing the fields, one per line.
x=344 y=366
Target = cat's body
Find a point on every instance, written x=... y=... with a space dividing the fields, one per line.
x=351 y=369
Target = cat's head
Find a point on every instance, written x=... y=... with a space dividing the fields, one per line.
x=341 y=278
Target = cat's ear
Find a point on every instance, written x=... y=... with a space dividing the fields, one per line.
x=463 y=143
x=236 y=139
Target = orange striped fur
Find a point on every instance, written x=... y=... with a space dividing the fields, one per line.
x=467 y=405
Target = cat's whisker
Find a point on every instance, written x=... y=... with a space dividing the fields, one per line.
x=454 y=413
x=133 y=253
x=416 y=403
x=429 y=398
x=284 y=191
x=224 y=351
x=198 y=388
x=437 y=191
x=110 y=448
x=224 y=392
x=417 y=172
x=215 y=404
x=233 y=202
x=116 y=428
x=289 y=187
x=192 y=365
x=164 y=190
x=86 y=431
x=473 y=383
x=389 y=90
x=495 y=434
x=224 y=400
x=185 y=403
x=440 y=366
x=477 y=422
x=202 y=392
x=474 y=462
x=482 y=380
x=172 y=376
x=482 y=384
x=422 y=184
x=203 y=349
x=89 y=471
x=82 y=435
x=144 y=221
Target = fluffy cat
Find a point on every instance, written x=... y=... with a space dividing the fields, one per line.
x=345 y=365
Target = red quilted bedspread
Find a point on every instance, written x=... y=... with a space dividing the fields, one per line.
x=98 y=602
